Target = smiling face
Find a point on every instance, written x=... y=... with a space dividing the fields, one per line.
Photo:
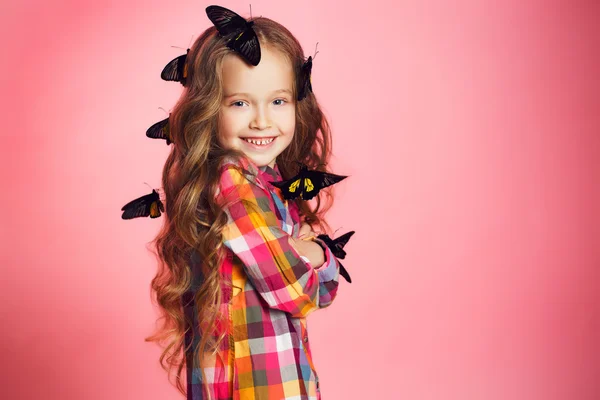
x=258 y=112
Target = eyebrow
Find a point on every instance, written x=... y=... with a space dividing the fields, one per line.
x=288 y=91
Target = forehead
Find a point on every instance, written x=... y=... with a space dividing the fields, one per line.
x=273 y=72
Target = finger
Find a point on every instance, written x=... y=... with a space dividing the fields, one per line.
x=309 y=236
x=304 y=229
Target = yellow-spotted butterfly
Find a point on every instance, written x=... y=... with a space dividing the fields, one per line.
x=160 y=130
x=176 y=70
x=304 y=76
x=337 y=248
x=146 y=206
x=243 y=38
x=307 y=183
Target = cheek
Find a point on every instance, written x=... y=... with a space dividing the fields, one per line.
x=226 y=126
x=290 y=122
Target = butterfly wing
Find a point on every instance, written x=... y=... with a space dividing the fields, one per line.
x=328 y=241
x=344 y=273
x=289 y=188
x=226 y=21
x=246 y=43
x=339 y=244
x=334 y=245
x=160 y=130
x=305 y=84
x=317 y=180
x=338 y=251
x=147 y=205
x=176 y=70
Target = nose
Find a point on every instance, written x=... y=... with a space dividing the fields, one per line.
x=261 y=119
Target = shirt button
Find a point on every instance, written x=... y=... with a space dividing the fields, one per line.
x=306 y=339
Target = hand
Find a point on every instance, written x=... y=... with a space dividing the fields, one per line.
x=306 y=230
x=307 y=247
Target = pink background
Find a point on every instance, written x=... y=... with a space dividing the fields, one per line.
x=469 y=130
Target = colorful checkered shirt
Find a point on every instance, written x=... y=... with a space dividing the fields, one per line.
x=266 y=354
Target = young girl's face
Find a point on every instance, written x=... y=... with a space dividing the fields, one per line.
x=258 y=106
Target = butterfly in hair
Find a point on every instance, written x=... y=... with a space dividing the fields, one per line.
x=337 y=248
x=243 y=38
x=305 y=77
x=160 y=130
x=307 y=183
x=176 y=70
x=148 y=205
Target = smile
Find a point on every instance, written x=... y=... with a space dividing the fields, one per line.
x=259 y=142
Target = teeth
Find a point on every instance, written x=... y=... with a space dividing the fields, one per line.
x=259 y=142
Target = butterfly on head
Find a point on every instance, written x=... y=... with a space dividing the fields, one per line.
x=304 y=77
x=307 y=183
x=146 y=206
x=160 y=130
x=241 y=36
x=337 y=248
x=176 y=70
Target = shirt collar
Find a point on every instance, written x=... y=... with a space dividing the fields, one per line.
x=263 y=173
x=269 y=173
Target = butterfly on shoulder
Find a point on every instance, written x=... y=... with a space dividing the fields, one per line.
x=243 y=38
x=160 y=130
x=176 y=70
x=307 y=183
x=148 y=205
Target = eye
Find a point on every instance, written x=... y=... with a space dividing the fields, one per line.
x=281 y=100
x=238 y=103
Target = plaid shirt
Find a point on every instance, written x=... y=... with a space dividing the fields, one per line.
x=266 y=354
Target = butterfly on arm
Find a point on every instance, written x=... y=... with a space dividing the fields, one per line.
x=337 y=248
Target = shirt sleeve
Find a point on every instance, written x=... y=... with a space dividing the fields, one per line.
x=329 y=273
x=278 y=273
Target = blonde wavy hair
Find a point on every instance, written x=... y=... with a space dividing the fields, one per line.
x=193 y=219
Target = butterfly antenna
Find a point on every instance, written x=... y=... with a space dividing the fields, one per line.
x=177 y=47
x=164 y=110
x=337 y=230
x=149 y=186
x=315 y=56
x=190 y=41
x=250 y=11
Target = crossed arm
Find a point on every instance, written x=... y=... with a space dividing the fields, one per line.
x=284 y=278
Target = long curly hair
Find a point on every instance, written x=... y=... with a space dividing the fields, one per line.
x=194 y=220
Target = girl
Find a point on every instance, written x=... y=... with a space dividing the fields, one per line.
x=240 y=267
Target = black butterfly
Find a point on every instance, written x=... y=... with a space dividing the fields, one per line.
x=337 y=248
x=243 y=39
x=176 y=69
x=145 y=206
x=304 y=75
x=160 y=130
x=305 y=84
x=307 y=183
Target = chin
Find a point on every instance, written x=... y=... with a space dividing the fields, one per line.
x=260 y=162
